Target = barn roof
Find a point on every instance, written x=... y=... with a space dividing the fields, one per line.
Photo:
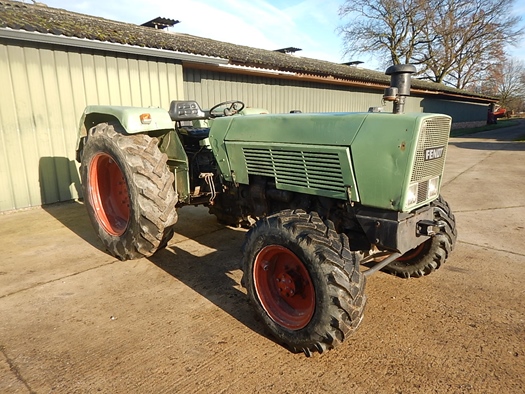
x=18 y=16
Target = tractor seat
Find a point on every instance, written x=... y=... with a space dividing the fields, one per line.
x=186 y=110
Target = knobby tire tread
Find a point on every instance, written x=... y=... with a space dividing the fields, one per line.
x=152 y=181
x=436 y=250
x=339 y=266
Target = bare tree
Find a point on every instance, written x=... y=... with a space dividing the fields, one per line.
x=507 y=82
x=450 y=41
x=391 y=29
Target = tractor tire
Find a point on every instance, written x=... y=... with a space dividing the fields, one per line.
x=303 y=281
x=430 y=255
x=128 y=191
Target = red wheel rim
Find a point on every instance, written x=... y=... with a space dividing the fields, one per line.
x=412 y=253
x=109 y=194
x=284 y=287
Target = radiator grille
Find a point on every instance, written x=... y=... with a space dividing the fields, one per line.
x=313 y=170
x=434 y=134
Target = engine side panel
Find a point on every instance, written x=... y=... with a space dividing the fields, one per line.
x=312 y=169
x=310 y=133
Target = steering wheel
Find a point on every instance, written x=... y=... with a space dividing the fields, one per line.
x=231 y=108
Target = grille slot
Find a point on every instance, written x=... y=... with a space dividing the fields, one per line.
x=422 y=191
x=312 y=170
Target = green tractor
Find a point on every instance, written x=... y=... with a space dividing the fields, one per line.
x=329 y=198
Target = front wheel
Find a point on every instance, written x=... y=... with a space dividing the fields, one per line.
x=430 y=255
x=303 y=280
x=128 y=191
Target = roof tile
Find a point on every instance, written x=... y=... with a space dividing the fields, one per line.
x=21 y=16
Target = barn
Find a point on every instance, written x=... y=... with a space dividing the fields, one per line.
x=54 y=62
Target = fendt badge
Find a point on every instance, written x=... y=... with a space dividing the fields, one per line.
x=434 y=153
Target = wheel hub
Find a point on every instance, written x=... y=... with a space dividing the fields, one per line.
x=284 y=287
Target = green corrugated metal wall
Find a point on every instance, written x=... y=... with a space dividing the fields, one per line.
x=275 y=94
x=44 y=91
x=461 y=111
x=280 y=96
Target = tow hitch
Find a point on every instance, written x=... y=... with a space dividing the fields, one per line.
x=429 y=227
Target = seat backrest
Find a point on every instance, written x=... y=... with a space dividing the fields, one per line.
x=186 y=110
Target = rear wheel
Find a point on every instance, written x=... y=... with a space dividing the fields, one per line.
x=303 y=280
x=430 y=255
x=128 y=191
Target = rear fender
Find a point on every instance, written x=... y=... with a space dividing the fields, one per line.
x=134 y=120
x=155 y=122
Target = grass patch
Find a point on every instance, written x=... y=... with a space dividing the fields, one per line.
x=501 y=124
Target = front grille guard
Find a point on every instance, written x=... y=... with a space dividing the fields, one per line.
x=434 y=133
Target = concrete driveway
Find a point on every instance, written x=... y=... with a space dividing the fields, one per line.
x=74 y=319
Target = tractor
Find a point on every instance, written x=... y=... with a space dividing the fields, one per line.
x=328 y=198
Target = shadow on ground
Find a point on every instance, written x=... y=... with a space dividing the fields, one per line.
x=214 y=275
x=73 y=215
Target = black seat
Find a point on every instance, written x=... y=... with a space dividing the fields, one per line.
x=195 y=132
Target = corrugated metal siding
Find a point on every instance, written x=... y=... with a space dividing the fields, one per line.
x=275 y=94
x=461 y=111
x=44 y=91
x=280 y=96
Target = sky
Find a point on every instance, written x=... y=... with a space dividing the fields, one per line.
x=268 y=24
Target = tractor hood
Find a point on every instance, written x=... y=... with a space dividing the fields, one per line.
x=291 y=128
x=364 y=157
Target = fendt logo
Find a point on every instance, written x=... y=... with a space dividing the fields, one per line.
x=434 y=153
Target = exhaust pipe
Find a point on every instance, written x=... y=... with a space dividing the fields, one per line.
x=399 y=85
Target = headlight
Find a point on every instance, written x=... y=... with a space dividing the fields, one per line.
x=412 y=194
x=433 y=187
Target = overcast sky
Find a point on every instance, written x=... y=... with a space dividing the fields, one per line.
x=268 y=24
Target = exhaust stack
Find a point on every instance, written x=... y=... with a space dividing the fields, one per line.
x=399 y=85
